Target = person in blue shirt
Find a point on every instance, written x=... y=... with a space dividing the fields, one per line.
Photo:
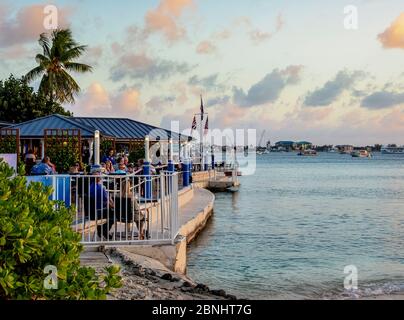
x=44 y=168
x=121 y=169
x=110 y=157
x=104 y=205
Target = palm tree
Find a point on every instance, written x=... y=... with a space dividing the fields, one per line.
x=58 y=59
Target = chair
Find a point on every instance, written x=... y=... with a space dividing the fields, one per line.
x=29 y=164
x=92 y=213
x=128 y=210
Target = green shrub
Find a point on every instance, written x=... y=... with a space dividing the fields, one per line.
x=136 y=155
x=35 y=233
x=63 y=153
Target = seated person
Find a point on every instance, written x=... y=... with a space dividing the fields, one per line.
x=131 y=168
x=104 y=205
x=121 y=169
x=44 y=168
x=109 y=157
x=74 y=170
x=30 y=155
x=109 y=167
x=104 y=168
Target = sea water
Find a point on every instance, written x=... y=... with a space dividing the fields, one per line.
x=298 y=222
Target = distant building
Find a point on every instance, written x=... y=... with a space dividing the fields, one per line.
x=286 y=145
x=345 y=149
x=304 y=145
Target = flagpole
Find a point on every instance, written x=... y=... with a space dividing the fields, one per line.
x=201 y=132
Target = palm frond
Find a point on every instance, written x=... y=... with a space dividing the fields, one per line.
x=72 y=53
x=42 y=60
x=34 y=73
x=44 y=42
x=78 y=67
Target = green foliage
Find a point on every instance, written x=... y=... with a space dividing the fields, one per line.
x=64 y=154
x=19 y=102
x=35 y=233
x=8 y=144
x=137 y=154
x=55 y=62
x=105 y=146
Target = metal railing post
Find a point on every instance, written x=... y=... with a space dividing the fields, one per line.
x=185 y=173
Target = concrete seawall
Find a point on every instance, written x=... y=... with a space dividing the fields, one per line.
x=195 y=209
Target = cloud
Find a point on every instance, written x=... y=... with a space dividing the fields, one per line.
x=140 y=66
x=331 y=91
x=93 y=55
x=206 y=47
x=97 y=100
x=217 y=101
x=160 y=103
x=239 y=25
x=382 y=100
x=27 y=24
x=269 y=88
x=393 y=37
x=258 y=36
x=209 y=82
x=164 y=19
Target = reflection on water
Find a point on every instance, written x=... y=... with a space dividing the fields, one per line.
x=298 y=222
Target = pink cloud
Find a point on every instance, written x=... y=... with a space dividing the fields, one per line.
x=164 y=19
x=27 y=24
x=93 y=55
x=393 y=36
x=96 y=100
x=206 y=47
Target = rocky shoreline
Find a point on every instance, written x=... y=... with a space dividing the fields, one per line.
x=147 y=279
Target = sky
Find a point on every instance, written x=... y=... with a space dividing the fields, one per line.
x=291 y=68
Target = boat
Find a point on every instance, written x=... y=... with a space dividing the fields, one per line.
x=307 y=153
x=392 y=149
x=361 y=154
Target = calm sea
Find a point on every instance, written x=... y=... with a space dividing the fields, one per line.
x=299 y=221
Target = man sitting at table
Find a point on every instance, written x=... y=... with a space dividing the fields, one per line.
x=46 y=167
x=104 y=205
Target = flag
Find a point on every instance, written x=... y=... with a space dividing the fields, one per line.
x=194 y=124
x=202 y=109
x=207 y=125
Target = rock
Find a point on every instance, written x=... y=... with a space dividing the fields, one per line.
x=187 y=289
x=151 y=272
x=167 y=276
x=201 y=287
x=187 y=284
x=231 y=297
x=219 y=293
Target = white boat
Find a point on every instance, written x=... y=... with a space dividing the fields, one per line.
x=307 y=153
x=361 y=154
x=392 y=149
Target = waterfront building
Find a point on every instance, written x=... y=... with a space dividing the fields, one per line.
x=116 y=133
x=286 y=145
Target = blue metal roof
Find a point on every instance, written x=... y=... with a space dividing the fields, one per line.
x=4 y=124
x=35 y=128
x=119 y=128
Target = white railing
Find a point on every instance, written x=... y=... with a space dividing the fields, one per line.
x=119 y=210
